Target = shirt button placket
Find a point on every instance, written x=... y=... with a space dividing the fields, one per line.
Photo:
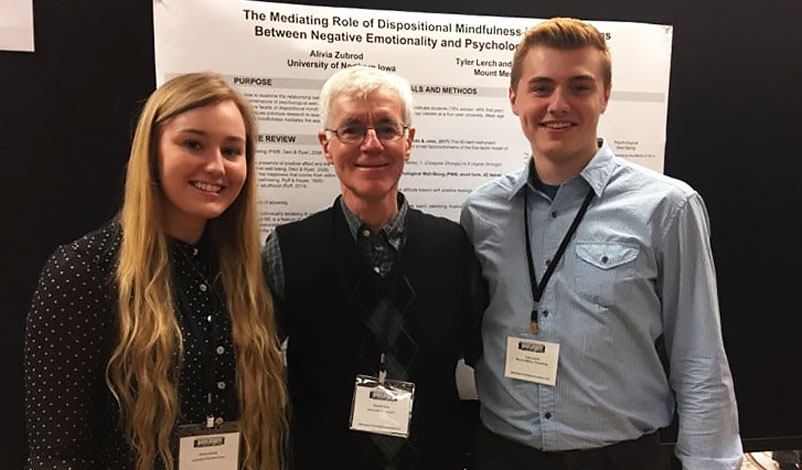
x=546 y=404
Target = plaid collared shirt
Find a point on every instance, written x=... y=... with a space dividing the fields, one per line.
x=380 y=249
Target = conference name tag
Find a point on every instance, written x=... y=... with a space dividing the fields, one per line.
x=531 y=360
x=202 y=448
x=382 y=408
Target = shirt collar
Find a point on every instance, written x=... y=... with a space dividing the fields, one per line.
x=596 y=173
x=599 y=169
x=201 y=248
x=394 y=229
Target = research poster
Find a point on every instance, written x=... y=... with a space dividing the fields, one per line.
x=279 y=55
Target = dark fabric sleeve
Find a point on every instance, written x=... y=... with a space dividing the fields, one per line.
x=273 y=268
x=66 y=328
x=478 y=301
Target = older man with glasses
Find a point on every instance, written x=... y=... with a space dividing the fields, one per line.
x=378 y=300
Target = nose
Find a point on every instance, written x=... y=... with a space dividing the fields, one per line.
x=371 y=141
x=215 y=162
x=559 y=102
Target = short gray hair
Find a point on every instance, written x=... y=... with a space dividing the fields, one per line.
x=361 y=81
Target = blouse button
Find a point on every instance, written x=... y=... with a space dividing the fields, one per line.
x=202 y=287
x=366 y=233
x=218 y=421
x=220 y=350
x=221 y=385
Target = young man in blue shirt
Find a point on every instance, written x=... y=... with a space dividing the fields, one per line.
x=594 y=266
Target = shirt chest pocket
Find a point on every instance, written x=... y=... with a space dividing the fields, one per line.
x=602 y=269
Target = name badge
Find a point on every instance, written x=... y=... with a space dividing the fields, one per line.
x=382 y=408
x=531 y=360
x=202 y=448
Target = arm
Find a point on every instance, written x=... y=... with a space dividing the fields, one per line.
x=65 y=358
x=274 y=274
x=699 y=372
x=477 y=303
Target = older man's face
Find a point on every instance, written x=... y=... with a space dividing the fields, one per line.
x=368 y=169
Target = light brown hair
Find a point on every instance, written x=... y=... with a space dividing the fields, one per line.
x=564 y=34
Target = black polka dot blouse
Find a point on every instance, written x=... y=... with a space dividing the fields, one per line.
x=72 y=417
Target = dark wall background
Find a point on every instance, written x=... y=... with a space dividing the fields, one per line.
x=66 y=114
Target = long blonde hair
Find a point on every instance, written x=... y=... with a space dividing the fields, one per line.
x=143 y=369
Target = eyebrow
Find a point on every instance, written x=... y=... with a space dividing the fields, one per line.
x=583 y=78
x=193 y=131
x=204 y=133
x=380 y=120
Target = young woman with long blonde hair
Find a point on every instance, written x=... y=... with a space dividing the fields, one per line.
x=161 y=319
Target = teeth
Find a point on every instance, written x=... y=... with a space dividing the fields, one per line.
x=557 y=125
x=211 y=188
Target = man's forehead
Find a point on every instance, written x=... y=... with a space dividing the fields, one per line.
x=361 y=106
x=360 y=96
x=544 y=62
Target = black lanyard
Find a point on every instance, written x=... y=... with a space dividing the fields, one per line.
x=537 y=289
x=384 y=338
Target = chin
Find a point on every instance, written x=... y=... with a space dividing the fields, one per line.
x=209 y=214
x=555 y=151
x=372 y=191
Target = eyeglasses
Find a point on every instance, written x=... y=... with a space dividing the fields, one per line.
x=355 y=133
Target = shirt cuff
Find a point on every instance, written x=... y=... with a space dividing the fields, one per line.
x=702 y=463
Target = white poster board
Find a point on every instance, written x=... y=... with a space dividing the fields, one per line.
x=279 y=55
x=16 y=25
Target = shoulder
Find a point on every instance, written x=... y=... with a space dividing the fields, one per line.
x=638 y=178
x=307 y=227
x=491 y=203
x=76 y=289
x=659 y=200
x=305 y=241
x=499 y=189
x=434 y=235
x=432 y=223
x=94 y=253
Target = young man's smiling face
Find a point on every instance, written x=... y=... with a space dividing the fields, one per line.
x=559 y=98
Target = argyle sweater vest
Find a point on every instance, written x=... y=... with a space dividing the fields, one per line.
x=330 y=293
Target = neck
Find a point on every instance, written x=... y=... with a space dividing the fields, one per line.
x=556 y=171
x=375 y=213
x=189 y=231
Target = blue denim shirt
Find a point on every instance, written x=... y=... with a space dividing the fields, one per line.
x=639 y=267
